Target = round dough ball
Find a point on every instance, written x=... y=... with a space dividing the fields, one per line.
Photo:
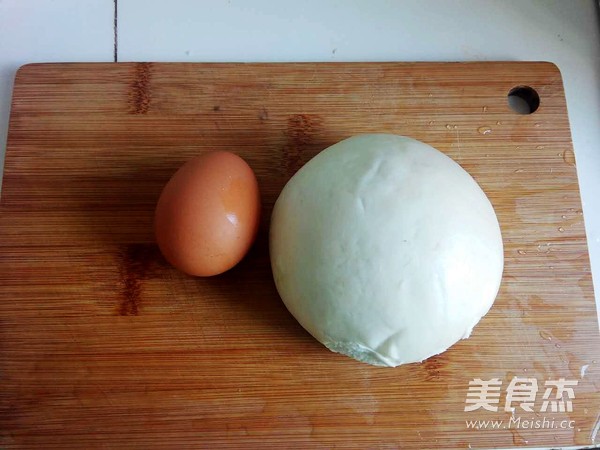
x=385 y=249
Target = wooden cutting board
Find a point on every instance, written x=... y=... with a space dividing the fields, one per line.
x=104 y=345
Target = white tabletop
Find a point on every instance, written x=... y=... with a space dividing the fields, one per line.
x=564 y=32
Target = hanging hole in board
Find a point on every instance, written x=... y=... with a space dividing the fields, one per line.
x=523 y=100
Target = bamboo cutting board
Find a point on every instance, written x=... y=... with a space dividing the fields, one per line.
x=104 y=345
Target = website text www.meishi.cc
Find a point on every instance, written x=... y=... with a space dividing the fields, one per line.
x=521 y=423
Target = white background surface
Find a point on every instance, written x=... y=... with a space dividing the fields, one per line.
x=565 y=32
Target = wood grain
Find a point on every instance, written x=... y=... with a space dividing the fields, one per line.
x=102 y=344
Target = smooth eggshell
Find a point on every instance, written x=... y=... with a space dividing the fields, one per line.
x=208 y=214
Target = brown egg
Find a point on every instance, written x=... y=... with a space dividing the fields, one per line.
x=208 y=213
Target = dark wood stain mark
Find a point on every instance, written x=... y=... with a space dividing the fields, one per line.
x=301 y=130
x=137 y=263
x=216 y=108
x=140 y=89
x=433 y=367
x=263 y=115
